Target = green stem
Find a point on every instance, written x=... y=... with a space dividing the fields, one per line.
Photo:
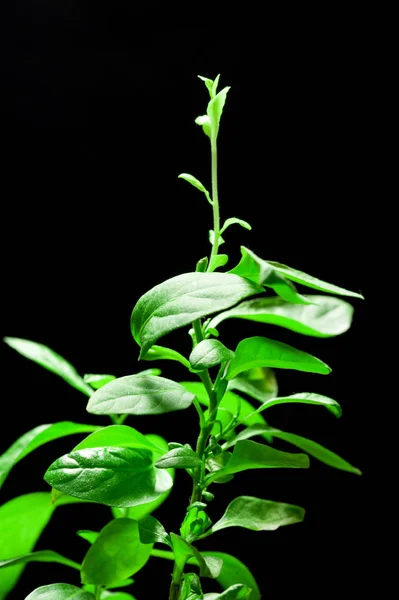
x=98 y=592
x=215 y=199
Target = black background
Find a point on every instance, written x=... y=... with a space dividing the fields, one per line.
x=98 y=121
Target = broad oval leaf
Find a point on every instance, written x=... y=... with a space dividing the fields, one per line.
x=179 y=458
x=40 y=556
x=181 y=300
x=139 y=395
x=118 y=477
x=258 y=515
x=50 y=360
x=60 y=591
x=209 y=353
x=34 y=439
x=162 y=353
x=97 y=381
x=304 y=398
x=234 y=571
x=263 y=352
x=152 y=531
x=327 y=316
x=116 y=554
x=120 y=436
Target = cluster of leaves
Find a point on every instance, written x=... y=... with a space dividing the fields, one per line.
x=133 y=473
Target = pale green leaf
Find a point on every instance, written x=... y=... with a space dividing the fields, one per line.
x=219 y=260
x=162 y=353
x=205 y=122
x=234 y=220
x=97 y=381
x=40 y=556
x=120 y=436
x=197 y=184
x=304 y=398
x=209 y=353
x=259 y=383
x=215 y=109
x=179 y=458
x=60 y=591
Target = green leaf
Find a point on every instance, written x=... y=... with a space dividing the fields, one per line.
x=97 y=381
x=112 y=476
x=218 y=261
x=116 y=554
x=152 y=531
x=259 y=383
x=106 y=595
x=325 y=317
x=233 y=572
x=59 y=591
x=89 y=536
x=197 y=184
x=211 y=85
x=205 y=123
x=234 y=220
x=162 y=353
x=261 y=272
x=258 y=515
x=40 y=556
x=152 y=372
x=22 y=521
x=34 y=439
x=250 y=455
x=235 y=592
x=215 y=109
x=304 y=398
x=209 y=353
x=210 y=566
x=50 y=360
x=181 y=300
x=120 y=436
x=195 y=523
x=263 y=352
x=212 y=238
x=179 y=458
x=139 y=395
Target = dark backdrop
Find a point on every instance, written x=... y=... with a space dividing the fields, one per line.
x=97 y=122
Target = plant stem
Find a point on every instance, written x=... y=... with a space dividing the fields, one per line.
x=174 y=592
x=215 y=199
x=98 y=592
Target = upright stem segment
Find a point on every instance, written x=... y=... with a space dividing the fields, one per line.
x=215 y=199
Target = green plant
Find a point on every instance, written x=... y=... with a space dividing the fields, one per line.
x=133 y=473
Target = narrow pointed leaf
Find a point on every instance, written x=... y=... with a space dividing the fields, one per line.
x=139 y=395
x=327 y=316
x=59 y=591
x=218 y=261
x=234 y=220
x=113 y=476
x=179 y=458
x=47 y=358
x=263 y=352
x=181 y=300
x=152 y=531
x=89 y=536
x=215 y=109
x=196 y=183
x=120 y=436
x=116 y=554
x=259 y=383
x=34 y=439
x=97 y=381
x=208 y=82
x=162 y=353
x=40 y=556
x=304 y=398
x=209 y=353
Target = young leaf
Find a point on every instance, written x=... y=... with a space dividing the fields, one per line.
x=162 y=353
x=152 y=531
x=233 y=572
x=210 y=566
x=327 y=316
x=304 y=398
x=218 y=261
x=106 y=595
x=97 y=381
x=212 y=238
x=235 y=592
x=215 y=109
x=258 y=515
x=40 y=556
x=209 y=353
x=197 y=184
x=179 y=458
x=259 y=383
x=250 y=455
x=112 y=476
x=211 y=85
x=195 y=523
x=34 y=439
x=263 y=352
x=181 y=300
x=205 y=123
x=116 y=554
x=234 y=220
x=89 y=536
x=50 y=360
x=120 y=436
x=139 y=395
x=59 y=591
x=22 y=521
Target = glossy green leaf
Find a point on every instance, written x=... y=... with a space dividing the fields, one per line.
x=234 y=220
x=218 y=261
x=197 y=184
x=235 y=592
x=162 y=353
x=250 y=455
x=139 y=395
x=97 y=381
x=39 y=556
x=112 y=476
x=259 y=383
x=304 y=398
x=234 y=571
x=209 y=353
x=261 y=272
x=120 y=436
x=263 y=352
x=116 y=554
x=258 y=515
x=215 y=109
x=181 y=300
x=59 y=591
x=152 y=531
x=210 y=566
x=22 y=521
x=327 y=316
x=34 y=439
x=50 y=360
x=179 y=458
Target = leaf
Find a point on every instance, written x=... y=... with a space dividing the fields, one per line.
x=181 y=300
x=233 y=572
x=211 y=85
x=112 y=476
x=59 y=591
x=139 y=395
x=261 y=272
x=235 y=592
x=105 y=595
x=215 y=109
x=97 y=381
x=120 y=436
x=152 y=531
x=116 y=554
x=162 y=353
x=50 y=360
x=258 y=515
x=325 y=317
x=197 y=184
x=195 y=523
x=209 y=353
x=40 y=556
x=250 y=455
x=210 y=566
x=179 y=458
x=22 y=521
x=152 y=372
x=218 y=261
x=234 y=220
x=34 y=439
x=89 y=536
x=259 y=383
x=205 y=122
x=263 y=352
x=304 y=398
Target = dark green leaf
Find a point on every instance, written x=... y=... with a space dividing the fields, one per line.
x=120 y=436
x=37 y=437
x=97 y=381
x=196 y=183
x=209 y=353
x=59 y=591
x=259 y=383
x=139 y=395
x=162 y=353
x=116 y=554
x=218 y=261
x=40 y=556
x=50 y=360
x=304 y=398
x=325 y=317
x=113 y=476
x=181 y=300
x=152 y=531
x=263 y=352
x=179 y=458
x=234 y=220
x=215 y=109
